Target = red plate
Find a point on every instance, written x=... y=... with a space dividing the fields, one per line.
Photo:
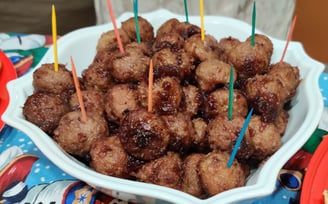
x=7 y=73
x=316 y=176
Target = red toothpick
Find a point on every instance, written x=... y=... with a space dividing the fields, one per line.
x=117 y=34
x=290 y=34
x=78 y=91
x=150 y=86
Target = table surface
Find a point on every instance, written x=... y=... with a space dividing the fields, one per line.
x=40 y=177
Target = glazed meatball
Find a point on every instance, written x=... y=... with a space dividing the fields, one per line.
x=146 y=30
x=168 y=26
x=132 y=65
x=288 y=75
x=225 y=46
x=182 y=132
x=249 y=60
x=45 y=110
x=266 y=94
x=265 y=137
x=216 y=176
x=262 y=42
x=223 y=133
x=202 y=50
x=119 y=99
x=97 y=77
x=108 y=157
x=108 y=40
x=93 y=101
x=164 y=171
x=200 y=127
x=281 y=121
x=176 y=64
x=167 y=96
x=173 y=25
x=144 y=135
x=190 y=179
x=76 y=136
x=46 y=79
x=217 y=102
x=192 y=99
x=212 y=73
x=172 y=41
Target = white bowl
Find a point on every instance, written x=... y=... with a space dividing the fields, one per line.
x=305 y=113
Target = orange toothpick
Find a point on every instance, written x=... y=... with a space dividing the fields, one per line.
x=289 y=38
x=117 y=34
x=78 y=92
x=54 y=35
x=150 y=86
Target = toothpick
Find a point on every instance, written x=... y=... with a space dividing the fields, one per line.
x=150 y=86
x=78 y=92
x=289 y=38
x=117 y=34
x=201 y=8
x=54 y=36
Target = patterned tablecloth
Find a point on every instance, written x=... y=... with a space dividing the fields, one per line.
x=27 y=176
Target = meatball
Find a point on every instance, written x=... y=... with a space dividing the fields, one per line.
x=223 y=133
x=146 y=30
x=108 y=157
x=93 y=101
x=45 y=110
x=167 y=96
x=168 y=26
x=200 y=126
x=192 y=99
x=265 y=138
x=266 y=94
x=216 y=176
x=172 y=41
x=119 y=99
x=281 y=121
x=46 y=79
x=190 y=179
x=176 y=64
x=182 y=132
x=164 y=171
x=288 y=75
x=217 y=102
x=108 y=40
x=97 y=77
x=225 y=46
x=249 y=60
x=76 y=136
x=202 y=50
x=132 y=65
x=144 y=135
x=173 y=25
x=262 y=42
x=212 y=73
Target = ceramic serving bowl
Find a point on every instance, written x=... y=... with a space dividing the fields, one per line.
x=305 y=113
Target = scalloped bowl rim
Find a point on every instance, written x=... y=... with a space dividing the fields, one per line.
x=261 y=183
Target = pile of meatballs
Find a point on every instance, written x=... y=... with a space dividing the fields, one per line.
x=186 y=140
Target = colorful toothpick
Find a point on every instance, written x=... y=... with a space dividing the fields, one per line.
x=78 y=92
x=201 y=9
x=136 y=22
x=54 y=36
x=186 y=10
x=253 y=24
x=117 y=34
x=289 y=38
x=240 y=138
x=230 y=104
x=150 y=86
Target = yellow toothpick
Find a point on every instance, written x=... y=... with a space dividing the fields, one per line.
x=54 y=36
x=201 y=8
